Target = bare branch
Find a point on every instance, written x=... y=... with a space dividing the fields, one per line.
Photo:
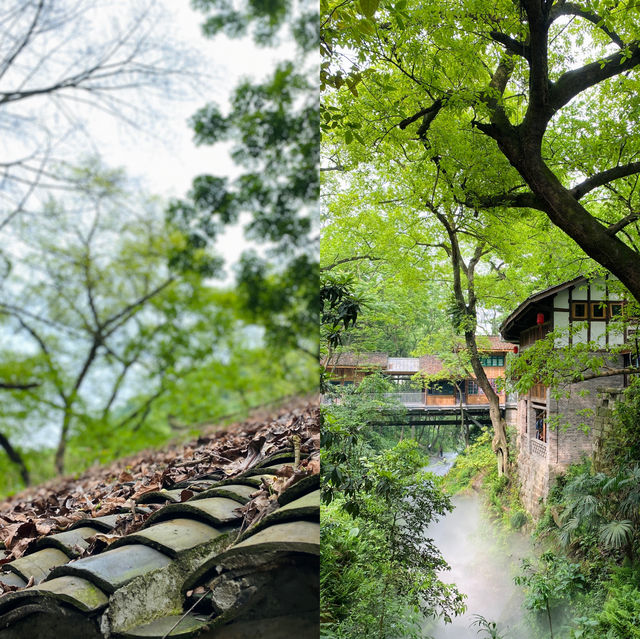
x=625 y=221
x=572 y=83
x=600 y=179
x=512 y=45
x=350 y=259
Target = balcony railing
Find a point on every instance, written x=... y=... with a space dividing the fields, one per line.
x=408 y=398
x=538 y=448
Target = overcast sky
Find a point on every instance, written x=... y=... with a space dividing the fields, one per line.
x=165 y=159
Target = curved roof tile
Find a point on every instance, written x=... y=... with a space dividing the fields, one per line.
x=133 y=587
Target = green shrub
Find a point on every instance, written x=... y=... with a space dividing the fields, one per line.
x=518 y=519
x=478 y=460
x=619 y=619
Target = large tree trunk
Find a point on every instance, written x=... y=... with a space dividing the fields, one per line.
x=16 y=458
x=522 y=145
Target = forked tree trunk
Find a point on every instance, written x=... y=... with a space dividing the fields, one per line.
x=16 y=458
x=466 y=310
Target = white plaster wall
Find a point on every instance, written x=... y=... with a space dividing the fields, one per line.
x=579 y=293
x=562 y=299
x=580 y=336
x=616 y=338
x=560 y=321
x=598 y=330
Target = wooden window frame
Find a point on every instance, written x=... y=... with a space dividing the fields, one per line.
x=613 y=315
x=575 y=316
x=601 y=307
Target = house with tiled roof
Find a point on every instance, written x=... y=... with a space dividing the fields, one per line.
x=231 y=552
x=438 y=388
x=551 y=431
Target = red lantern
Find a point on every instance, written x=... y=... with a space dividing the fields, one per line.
x=540 y=318
x=515 y=350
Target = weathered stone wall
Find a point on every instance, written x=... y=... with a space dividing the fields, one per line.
x=582 y=418
x=577 y=414
x=533 y=467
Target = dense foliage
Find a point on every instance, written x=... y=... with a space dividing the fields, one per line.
x=274 y=130
x=592 y=517
x=378 y=565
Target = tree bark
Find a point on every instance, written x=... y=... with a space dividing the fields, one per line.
x=466 y=308
x=16 y=458
x=522 y=145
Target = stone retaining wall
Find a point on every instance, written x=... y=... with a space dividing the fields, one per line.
x=578 y=433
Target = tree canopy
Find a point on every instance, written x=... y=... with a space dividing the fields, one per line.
x=518 y=106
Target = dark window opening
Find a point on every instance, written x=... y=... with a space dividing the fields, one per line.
x=540 y=418
x=615 y=309
x=443 y=387
x=579 y=311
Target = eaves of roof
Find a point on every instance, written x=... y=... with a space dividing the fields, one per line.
x=537 y=297
x=190 y=571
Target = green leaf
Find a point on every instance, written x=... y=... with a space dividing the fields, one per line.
x=369 y=7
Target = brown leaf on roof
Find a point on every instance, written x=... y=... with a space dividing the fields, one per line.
x=52 y=507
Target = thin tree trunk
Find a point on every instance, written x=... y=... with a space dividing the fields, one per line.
x=549 y=618
x=16 y=458
x=468 y=320
x=62 y=443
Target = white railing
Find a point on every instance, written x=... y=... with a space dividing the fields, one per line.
x=415 y=397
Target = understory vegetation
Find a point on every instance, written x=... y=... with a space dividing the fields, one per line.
x=585 y=583
x=593 y=516
x=476 y=467
x=378 y=572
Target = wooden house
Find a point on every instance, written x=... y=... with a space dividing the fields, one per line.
x=348 y=368
x=551 y=432
x=351 y=368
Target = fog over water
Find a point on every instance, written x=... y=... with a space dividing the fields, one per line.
x=484 y=558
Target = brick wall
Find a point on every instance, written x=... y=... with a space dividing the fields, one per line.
x=577 y=435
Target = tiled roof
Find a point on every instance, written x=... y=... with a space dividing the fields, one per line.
x=430 y=364
x=191 y=570
x=496 y=343
x=358 y=359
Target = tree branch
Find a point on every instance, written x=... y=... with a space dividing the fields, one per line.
x=620 y=224
x=16 y=458
x=604 y=177
x=428 y=115
x=349 y=259
x=9 y=386
x=571 y=83
x=571 y=9
x=114 y=319
x=511 y=44
x=516 y=200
